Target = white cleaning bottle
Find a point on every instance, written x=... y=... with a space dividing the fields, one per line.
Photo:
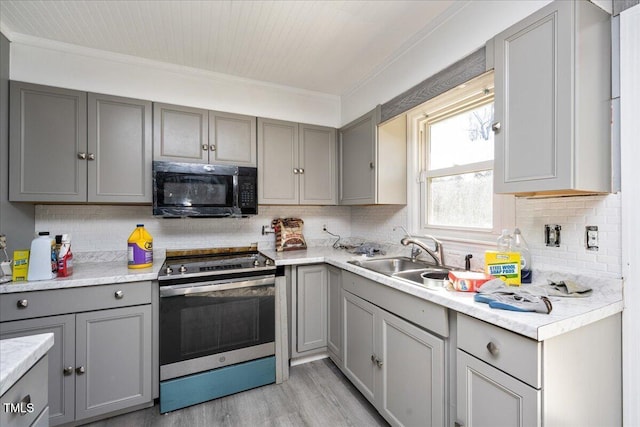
x=40 y=257
x=518 y=244
x=504 y=241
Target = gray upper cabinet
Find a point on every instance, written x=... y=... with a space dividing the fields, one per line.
x=297 y=163
x=120 y=143
x=373 y=161
x=180 y=134
x=232 y=139
x=48 y=134
x=70 y=146
x=194 y=135
x=552 y=102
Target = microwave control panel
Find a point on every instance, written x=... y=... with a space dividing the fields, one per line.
x=247 y=193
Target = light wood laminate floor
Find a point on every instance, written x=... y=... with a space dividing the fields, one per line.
x=317 y=394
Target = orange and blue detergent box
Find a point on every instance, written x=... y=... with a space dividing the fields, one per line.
x=503 y=265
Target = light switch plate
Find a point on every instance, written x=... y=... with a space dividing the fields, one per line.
x=552 y=235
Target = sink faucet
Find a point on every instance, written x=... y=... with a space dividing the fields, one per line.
x=437 y=255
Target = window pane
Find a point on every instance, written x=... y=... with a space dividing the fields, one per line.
x=464 y=200
x=462 y=139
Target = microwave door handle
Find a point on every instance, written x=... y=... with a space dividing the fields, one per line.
x=190 y=289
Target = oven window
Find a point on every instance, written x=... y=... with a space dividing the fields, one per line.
x=188 y=190
x=198 y=325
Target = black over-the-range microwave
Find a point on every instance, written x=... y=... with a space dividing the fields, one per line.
x=204 y=190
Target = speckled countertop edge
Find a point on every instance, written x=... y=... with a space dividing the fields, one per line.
x=18 y=355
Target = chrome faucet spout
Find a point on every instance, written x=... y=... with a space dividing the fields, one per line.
x=437 y=254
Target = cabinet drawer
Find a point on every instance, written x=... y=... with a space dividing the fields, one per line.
x=28 y=397
x=514 y=354
x=73 y=300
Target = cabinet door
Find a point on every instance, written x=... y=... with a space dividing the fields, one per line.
x=232 y=139
x=48 y=133
x=180 y=134
x=317 y=165
x=489 y=397
x=278 y=162
x=334 y=312
x=359 y=343
x=61 y=356
x=533 y=98
x=357 y=161
x=311 y=286
x=113 y=348
x=119 y=149
x=411 y=390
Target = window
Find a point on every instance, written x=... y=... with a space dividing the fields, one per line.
x=453 y=194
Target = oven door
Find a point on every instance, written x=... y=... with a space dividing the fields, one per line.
x=212 y=324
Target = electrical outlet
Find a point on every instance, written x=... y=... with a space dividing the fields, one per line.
x=324 y=227
x=591 y=237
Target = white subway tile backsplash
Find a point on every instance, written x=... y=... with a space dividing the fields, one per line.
x=107 y=228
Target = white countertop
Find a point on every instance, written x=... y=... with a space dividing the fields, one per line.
x=567 y=314
x=18 y=355
x=91 y=274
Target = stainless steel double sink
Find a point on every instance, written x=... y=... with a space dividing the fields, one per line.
x=415 y=271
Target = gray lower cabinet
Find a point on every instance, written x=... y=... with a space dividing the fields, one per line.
x=101 y=359
x=195 y=135
x=334 y=314
x=309 y=296
x=505 y=379
x=559 y=140
x=28 y=396
x=297 y=163
x=70 y=146
x=397 y=366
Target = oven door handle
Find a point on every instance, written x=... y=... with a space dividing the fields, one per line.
x=192 y=289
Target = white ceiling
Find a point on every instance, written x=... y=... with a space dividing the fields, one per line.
x=324 y=46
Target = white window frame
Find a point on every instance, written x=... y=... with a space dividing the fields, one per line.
x=474 y=92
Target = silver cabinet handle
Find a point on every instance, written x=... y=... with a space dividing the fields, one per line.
x=67 y=371
x=371 y=165
x=119 y=294
x=23 y=404
x=80 y=370
x=301 y=171
x=457 y=424
x=23 y=303
x=296 y=171
x=212 y=147
x=496 y=127
x=91 y=156
x=493 y=348
x=82 y=156
x=377 y=361
x=205 y=147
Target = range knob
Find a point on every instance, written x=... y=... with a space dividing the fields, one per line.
x=256 y=263
x=268 y=262
x=182 y=269
x=168 y=270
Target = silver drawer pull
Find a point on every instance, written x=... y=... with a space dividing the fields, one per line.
x=496 y=127
x=205 y=147
x=91 y=156
x=80 y=370
x=23 y=303
x=67 y=371
x=493 y=349
x=119 y=294
x=82 y=156
x=23 y=405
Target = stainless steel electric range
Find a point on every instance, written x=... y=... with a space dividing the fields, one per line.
x=217 y=324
